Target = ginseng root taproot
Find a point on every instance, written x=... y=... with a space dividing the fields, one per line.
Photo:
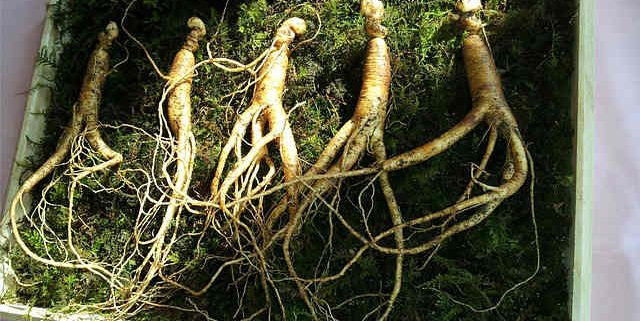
x=183 y=150
x=266 y=108
x=83 y=125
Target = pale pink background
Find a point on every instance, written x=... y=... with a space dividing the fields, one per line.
x=616 y=229
x=616 y=218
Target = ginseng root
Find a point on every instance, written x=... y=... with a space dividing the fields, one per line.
x=83 y=125
x=179 y=119
x=266 y=108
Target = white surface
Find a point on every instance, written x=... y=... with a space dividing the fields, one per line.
x=616 y=219
x=616 y=230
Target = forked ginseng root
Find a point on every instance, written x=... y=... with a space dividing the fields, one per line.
x=84 y=124
x=265 y=109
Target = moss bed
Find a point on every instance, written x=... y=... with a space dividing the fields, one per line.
x=532 y=42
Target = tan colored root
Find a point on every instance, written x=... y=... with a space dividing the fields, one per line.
x=353 y=137
x=366 y=125
x=266 y=104
x=268 y=93
x=537 y=247
x=84 y=123
x=374 y=12
x=396 y=219
x=349 y=144
x=245 y=177
x=179 y=118
x=365 y=129
x=476 y=173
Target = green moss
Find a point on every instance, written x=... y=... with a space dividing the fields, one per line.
x=532 y=42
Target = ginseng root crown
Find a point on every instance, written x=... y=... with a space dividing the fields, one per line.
x=466 y=17
x=289 y=29
x=373 y=11
x=469 y=6
x=198 y=31
x=109 y=34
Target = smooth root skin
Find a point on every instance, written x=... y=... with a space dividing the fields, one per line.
x=484 y=83
x=514 y=175
x=352 y=138
x=85 y=118
x=489 y=105
x=269 y=93
x=372 y=103
x=179 y=106
x=266 y=108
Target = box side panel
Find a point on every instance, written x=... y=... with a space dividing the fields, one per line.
x=33 y=128
x=17 y=312
x=581 y=271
